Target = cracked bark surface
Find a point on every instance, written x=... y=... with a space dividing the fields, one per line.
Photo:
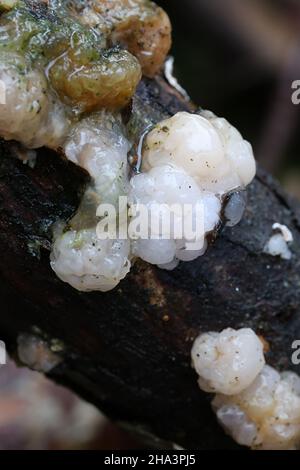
x=128 y=351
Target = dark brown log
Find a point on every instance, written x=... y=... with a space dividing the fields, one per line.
x=128 y=351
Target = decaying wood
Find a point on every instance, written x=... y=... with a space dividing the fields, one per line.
x=128 y=351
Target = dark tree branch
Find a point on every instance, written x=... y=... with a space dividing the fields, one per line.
x=128 y=351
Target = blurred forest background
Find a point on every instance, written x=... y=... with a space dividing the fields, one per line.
x=237 y=58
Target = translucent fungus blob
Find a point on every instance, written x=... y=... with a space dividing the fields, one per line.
x=265 y=416
x=140 y=26
x=30 y=113
x=167 y=186
x=179 y=210
x=208 y=148
x=256 y=405
x=87 y=263
x=99 y=145
x=79 y=257
x=279 y=243
x=229 y=361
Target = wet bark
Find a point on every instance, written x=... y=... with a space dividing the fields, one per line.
x=128 y=351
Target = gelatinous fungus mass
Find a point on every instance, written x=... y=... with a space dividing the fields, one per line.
x=186 y=160
x=256 y=405
x=54 y=68
x=68 y=69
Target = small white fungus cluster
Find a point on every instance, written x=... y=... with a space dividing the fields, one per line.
x=30 y=113
x=229 y=361
x=278 y=244
x=205 y=147
x=168 y=185
x=256 y=405
x=188 y=160
x=98 y=145
x=78 y=256
x=266 y=415
x=87 y=263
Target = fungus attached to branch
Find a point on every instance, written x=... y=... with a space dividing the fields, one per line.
x=279 y=243
x=140 y=26
x=229 y=361
x=185 y=157
x=66 y=80
x=54 y=69
x=186 y=162
x=259 y=407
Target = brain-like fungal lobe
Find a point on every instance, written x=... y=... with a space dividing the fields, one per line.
x=208 y=148
x=227 y=362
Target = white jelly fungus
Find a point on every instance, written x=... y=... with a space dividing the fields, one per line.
x=235 y=208
x=278 y=244
x=208 y=148
x=78 y=256
x=229 y=361
x=266 y=415
x=191 y=158
x=31 y=113
x=98 y=145
x=87 y=263
x=68 y=95
x=285 y=231
x=263 y=411
x=168 y=185
x=179 y=158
